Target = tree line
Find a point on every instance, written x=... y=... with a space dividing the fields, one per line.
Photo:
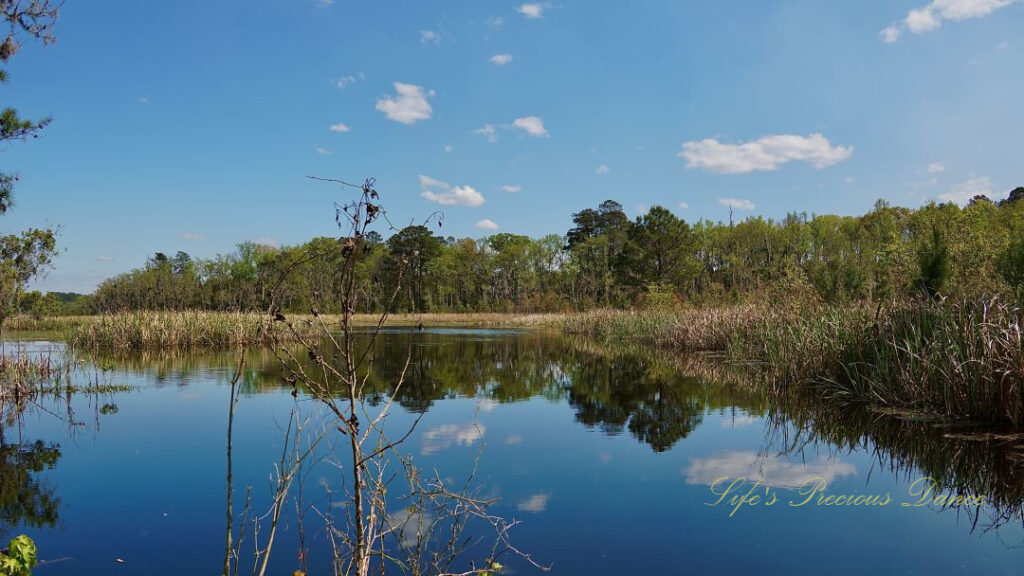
x=608 y=260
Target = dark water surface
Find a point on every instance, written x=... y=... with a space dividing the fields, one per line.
x=608 y=460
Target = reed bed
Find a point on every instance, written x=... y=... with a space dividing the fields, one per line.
x=177 y=330
x=689 y=330
x=23 y=377
x=964 y=359
x=25 y=370
x=221 y=330
x=25 y=323
x=960 y=360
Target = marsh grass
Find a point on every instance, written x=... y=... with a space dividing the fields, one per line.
x=224 y=330
x=20 y=371
x=688 y=330
x=24 y=377
x=964 y=359
x=170 y=330
x=961 y=360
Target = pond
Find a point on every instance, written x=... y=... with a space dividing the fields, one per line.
x=612 y=462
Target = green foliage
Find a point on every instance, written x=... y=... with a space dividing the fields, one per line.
x=934 y=268
x=1011 y=265
x=20 y=558
x=26 y=499
x=659 y=297
x=22 y=256
x=605 y=260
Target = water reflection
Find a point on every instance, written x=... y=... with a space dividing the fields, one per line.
x=614 y=391
x=962 y=460
x=771 y=470
x=25 y=498
x=657 y=400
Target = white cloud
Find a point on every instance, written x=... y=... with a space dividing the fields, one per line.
x=890 y=34
x=428 y=182
x=849 y=180
x=489 y=131
x=1005 y=44
x=602 y=170
x=531 y=11
x=487 y=224
x=191 y=236
x=764 y=154
x=324 y=3
x=501 y=59
x=771 y=470
x=345 y=82
x=429 y=37
x=962 y=193
x=409 y=106
x=448 y=435
x=265 y=241
x=143 y=100
x=495 y=22
x=642 y=209
x=932 y=15
x=445 y=194
x=104 y=259
x=458 y=196
x=534 y=504
x=737 y=203
x=684 y=205
x=323 y=151
x=448 y=148
x=512 y=188
x=935 y=168
x=532 y=125
x=339 y=127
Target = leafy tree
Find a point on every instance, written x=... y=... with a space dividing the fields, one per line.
x=416 y=246
x=663 y=249
x=26 y=255
x=1015 y=195
x=1011 y=265
x=933 y=265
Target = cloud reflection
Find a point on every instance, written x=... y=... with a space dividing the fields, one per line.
x=445 y=436
x=534 y=504
x=771 y=470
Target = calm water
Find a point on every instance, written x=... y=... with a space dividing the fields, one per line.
x=609 y=461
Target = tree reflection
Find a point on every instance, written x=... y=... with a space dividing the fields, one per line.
x=961 y=459
x=25 y=499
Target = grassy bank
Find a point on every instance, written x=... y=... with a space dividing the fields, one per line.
x=963 y=360
x=218 y=330
x=960 y=360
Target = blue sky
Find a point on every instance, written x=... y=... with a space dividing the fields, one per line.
x=191 y=125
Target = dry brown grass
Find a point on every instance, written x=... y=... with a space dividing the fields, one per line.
x=219 y=330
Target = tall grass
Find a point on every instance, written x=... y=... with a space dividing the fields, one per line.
x=219 y=330
x=964 y=359
x=170 y=330
x=960 y=360
x=690 y=330
x=23 y=377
